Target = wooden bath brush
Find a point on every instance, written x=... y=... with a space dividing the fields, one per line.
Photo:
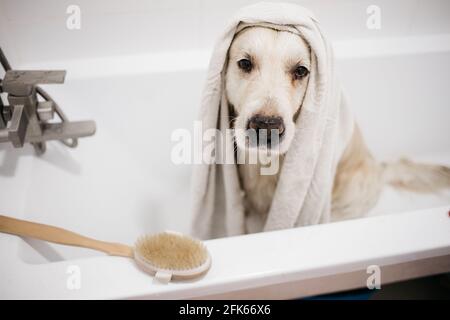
x=166 y=255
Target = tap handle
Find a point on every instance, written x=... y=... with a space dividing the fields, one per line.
x=22 y=82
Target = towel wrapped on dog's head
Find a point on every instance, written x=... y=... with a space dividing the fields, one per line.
x=322 y=131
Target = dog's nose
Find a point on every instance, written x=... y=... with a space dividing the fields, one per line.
x=259 y=122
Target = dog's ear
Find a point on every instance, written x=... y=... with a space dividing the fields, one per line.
x=231 y=111
x=231 y=115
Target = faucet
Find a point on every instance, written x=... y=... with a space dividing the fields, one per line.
x=27 y=119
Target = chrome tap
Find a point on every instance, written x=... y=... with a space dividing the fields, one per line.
x=26 y=119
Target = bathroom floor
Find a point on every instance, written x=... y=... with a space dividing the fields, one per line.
x=428 y=288
x=434 y=287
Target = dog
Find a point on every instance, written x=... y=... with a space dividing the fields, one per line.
x=266 y=77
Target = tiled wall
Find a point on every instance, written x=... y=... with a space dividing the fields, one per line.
x=35 y=30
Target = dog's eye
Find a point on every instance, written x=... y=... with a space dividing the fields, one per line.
x=245 y=65
x=300 y=72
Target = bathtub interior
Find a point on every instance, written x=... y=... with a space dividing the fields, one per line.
x=122 y=183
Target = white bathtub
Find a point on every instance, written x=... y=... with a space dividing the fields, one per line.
x=121 y=183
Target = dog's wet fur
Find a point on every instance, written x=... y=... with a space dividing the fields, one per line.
x=267 y=74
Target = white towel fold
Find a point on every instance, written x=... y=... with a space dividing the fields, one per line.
x=323 y=129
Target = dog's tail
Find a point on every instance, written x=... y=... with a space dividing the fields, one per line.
x=417 y=177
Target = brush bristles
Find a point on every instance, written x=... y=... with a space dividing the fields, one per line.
x=171 y=251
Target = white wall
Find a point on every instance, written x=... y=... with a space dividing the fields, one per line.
x=35 y=30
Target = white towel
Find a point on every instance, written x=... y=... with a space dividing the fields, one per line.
x=323 y=129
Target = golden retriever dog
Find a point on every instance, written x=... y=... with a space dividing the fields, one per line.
x=266 y=78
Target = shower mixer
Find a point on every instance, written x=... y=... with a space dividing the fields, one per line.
x=28 y=116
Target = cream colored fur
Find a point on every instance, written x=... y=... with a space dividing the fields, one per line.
x=271 y=90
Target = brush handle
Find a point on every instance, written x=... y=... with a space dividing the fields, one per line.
x=61 y=236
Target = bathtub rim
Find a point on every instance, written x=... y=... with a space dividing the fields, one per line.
x=120 y=278
x=198 y=59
